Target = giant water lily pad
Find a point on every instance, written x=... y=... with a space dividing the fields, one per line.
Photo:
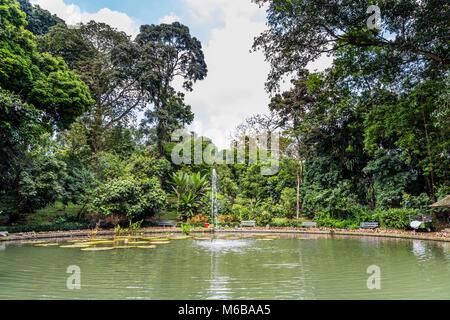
x=146 y=247
x=75 y=246
x=155 y=239
x=98 y=249
x=159 y=242
x=46 y=245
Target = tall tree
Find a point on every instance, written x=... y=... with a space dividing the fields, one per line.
x=412 y=35
x=169 y=52
x=107 y=61
x=38 y=93
x=39 y=20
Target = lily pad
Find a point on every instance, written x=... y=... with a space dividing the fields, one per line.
x=159 y=242
x=98 y=249
x=46 y=245
x=75 y=246
x=124 y=247
x=146 y=247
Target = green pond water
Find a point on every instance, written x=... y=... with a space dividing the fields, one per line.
x=295 y=267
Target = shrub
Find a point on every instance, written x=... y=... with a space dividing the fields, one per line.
x=136 y=198
x=228 y=219
x=284 y=223
x=45 y=227
x=189 y=193
x=198 y=220
x=243 y=212
x=288 y=202
x=396 y=218
x=186 y=228
x=264 y=218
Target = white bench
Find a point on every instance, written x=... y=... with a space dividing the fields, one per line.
x=309 y=224
x=166 y=224
x=369 y=225
x=250 y=223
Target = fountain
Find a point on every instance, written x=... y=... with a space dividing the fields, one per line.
x=214 y=198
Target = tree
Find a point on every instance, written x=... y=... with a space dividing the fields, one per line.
x=189 y=191
x=411 y=38
x=130 y=187
x=38 y=93
x=107 y=61
x=39 y=20
x=168 y=52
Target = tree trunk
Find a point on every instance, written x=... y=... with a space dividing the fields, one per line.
x=299 y=184
x=430 y=157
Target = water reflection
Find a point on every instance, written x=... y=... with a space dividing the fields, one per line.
x=223 y=246
x=420 y=250
x=236 y=268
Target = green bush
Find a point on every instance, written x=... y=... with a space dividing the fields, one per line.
x=67 y=226
x=243 y=212
x=338 y=224
x=396 y=218
x=136 y=198
x=285 y=223
x=264 y=218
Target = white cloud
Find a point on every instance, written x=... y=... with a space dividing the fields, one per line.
x=234 y=88
x=169 y=19
x=72 y=14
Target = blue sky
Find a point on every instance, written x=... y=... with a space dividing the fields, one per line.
x=146 y=11
x=234 y=87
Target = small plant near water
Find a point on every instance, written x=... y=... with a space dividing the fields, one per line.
x=132 y=230
x=186 y=228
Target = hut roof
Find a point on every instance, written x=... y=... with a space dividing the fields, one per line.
x=443 y=203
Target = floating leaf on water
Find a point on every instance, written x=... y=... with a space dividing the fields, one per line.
x=124 y=247
x=98 y=249
x=75 y=246
x=155 y=239
x=46 y=245
x=78 y=240
x=146 y=247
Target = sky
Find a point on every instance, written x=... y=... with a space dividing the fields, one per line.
x=234 y=87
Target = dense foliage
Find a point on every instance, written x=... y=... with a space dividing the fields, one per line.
x=367 y=140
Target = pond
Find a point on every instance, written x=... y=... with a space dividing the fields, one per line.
x=224 y=267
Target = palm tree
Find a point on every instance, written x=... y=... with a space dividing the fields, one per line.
x=190 y=191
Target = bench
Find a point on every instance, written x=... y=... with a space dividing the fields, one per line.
x=166 y=224
x=250 y=223
x=309 y=224
x=369 y=225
